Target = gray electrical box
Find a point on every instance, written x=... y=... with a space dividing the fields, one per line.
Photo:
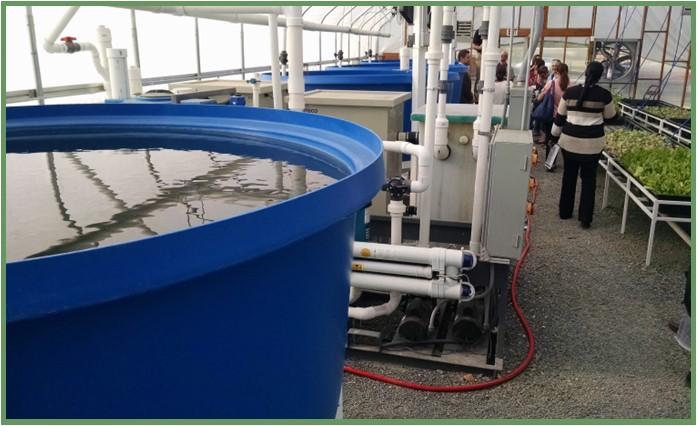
x=507 y=195
x=519 y=110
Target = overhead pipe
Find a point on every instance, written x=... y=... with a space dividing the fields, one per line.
x=296 y=81
x=208 y=10
x=275 y=66
x=484 y=131
x=51 y=46
x=441 y=149
x=260 y=19
x=433 y=58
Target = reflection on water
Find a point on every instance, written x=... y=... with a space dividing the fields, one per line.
x=64 y=201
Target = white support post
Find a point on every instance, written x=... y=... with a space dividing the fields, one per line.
x=275 y=66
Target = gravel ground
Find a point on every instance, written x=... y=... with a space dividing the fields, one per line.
x=600 y=320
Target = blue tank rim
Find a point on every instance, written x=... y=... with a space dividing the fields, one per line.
x=31 y=283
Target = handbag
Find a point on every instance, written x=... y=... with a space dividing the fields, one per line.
x=544 y=111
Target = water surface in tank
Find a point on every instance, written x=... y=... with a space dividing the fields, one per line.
x=61 y=201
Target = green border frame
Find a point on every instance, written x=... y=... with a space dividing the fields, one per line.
x=593 y=421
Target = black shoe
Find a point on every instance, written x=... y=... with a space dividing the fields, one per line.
x=585 y=224
x=562 y=217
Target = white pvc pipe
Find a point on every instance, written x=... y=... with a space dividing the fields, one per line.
x=103 y=72
x=118 y=70
x=296 y=81
x=212 y=10
x=439 y=258
x=371 y=312
x=439 y=289
x=252 y=19
x=275 y=66
x=433 y=58
x=441 y=150
x=135 y=80
x=255 y=90
x=404 y=58
x=396 y=209
x=50 y=44
x=425 y=162
x=391 y=268
x=483 y=135
x=418 y=61
x=103 y=43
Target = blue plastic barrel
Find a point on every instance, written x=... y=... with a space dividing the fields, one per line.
x=244 y=317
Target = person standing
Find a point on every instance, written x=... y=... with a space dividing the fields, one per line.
x=475 y=64
x=554 y=87
x=578 y=128
x=464 y=58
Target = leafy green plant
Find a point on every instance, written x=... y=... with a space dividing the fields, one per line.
x=621 y=141
x=668 y=112
x=664 y=170
x=655 y=163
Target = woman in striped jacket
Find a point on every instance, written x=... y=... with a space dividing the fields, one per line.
x=579 y=129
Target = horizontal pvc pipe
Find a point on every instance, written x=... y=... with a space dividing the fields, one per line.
x=439 y=289
x=439 y=258
x=392 y=268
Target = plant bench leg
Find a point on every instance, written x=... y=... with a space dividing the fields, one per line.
x=626 y=206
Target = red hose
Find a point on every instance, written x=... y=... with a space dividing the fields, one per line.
x=490 y=384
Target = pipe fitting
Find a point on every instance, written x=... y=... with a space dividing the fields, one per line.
x=447 y=34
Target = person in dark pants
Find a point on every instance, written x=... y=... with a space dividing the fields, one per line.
x=579 y=129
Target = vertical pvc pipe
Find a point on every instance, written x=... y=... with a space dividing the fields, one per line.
x=35 y=56
x=433 y=58
x=104 y=43
x=489 y=61
x=526 y=70
x=418 y=59
x=242 y=66
x=198 y=50
x=296 y=82
x=134 y=39
x=118 y=73
x=275 y=68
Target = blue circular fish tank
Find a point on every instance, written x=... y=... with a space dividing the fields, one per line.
x=244 y=317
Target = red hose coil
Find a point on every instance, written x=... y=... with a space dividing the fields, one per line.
x=492 y=383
